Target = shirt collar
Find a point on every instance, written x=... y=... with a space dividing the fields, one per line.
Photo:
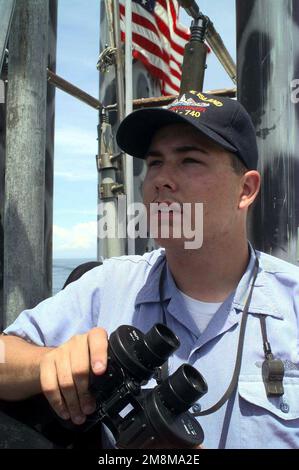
x=265 y=300
x=150 y=291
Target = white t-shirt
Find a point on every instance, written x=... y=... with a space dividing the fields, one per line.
x=201 y=312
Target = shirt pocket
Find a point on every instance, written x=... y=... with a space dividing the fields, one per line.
x=268 y=422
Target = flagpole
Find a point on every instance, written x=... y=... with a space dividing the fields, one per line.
x=109 y=185
x=119 y=61
x=129 y=178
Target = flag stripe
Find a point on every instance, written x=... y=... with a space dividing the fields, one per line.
x=160 y=69
x=171 y=8
x=156 y=72
x=165 y=31
x=142 y=20
x=162 y=27
x=155 y=48
x=158 y=40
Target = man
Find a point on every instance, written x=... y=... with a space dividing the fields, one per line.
x=199 y=150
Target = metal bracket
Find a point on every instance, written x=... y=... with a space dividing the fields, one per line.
x=110 y=190
x=106 y=59
x=105 y=162
x=7 y=8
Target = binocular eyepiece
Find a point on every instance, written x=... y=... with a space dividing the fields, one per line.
x=141 y=417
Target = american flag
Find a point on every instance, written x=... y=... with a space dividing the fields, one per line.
x=158 y=40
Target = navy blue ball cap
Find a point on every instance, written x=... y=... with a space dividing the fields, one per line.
x=224 y=120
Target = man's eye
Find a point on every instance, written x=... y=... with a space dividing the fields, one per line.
x=153 y=163
x=190 y=160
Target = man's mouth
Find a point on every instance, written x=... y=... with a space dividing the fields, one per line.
x=166 y=206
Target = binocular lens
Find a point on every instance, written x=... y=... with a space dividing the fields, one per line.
x=183 y=388
x=157 y=345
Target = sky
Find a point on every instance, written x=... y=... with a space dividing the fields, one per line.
x=75 y=174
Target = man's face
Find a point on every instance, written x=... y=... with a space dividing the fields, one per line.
x=184 y=166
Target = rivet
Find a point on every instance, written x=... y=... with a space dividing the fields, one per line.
x=284 y=407
x=196 y=408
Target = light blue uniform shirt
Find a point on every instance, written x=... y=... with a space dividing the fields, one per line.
x=125 y=290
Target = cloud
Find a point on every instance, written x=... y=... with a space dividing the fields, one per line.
x=77 y=212
x=79 y=237
x=75 y=151
x=76 y=141
x=77 y=175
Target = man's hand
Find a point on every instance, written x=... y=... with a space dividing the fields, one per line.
x=64 y=374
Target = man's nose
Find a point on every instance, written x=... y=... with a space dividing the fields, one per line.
x=166 y=179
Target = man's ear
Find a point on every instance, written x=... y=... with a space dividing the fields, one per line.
x=250 y=186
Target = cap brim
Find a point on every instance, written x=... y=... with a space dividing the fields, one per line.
x=136 y=131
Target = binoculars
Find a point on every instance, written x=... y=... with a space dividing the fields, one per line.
x=141 y=417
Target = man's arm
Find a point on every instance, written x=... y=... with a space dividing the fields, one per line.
x=20 y=370
x=61 y=373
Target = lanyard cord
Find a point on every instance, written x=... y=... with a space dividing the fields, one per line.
x=266 y=344
x=237 y=368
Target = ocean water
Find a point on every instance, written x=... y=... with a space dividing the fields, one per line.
x=62 y=269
